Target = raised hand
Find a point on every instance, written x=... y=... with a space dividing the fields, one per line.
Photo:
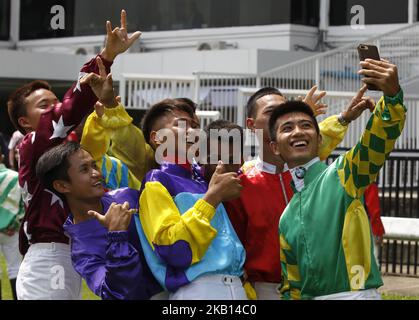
x=117 y=40
x=100 y=108
x=102 y=85
x=314 y=101
x=381 y=74
x=224 y=186
x=117 y=218
x=358 y=105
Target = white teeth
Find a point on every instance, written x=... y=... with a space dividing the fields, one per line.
x=300 y=144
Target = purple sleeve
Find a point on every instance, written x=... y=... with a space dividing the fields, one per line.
x=115 y=276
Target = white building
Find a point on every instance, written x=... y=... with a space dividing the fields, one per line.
x=182 y=36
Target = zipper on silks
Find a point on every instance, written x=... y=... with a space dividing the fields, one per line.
x=283 y=189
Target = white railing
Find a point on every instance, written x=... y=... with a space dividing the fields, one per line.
x=211 y=91
x=337 y=102
x=218 y=91
x=206 y=117
x=401 y=228
x=336 y=70
x=140 y=91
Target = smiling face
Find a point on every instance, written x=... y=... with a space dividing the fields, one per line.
x=297 y=140
x=35 y=104
x=85 y=179
x=181 y=126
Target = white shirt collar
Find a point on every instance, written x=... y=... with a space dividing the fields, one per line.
x=296 y=176
x=264 y=166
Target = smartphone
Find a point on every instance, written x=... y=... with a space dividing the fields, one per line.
x=368 y=51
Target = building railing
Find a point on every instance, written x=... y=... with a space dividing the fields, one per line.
x=141 y=91
x=206 y=117
x=338 y=102
x=336 y=70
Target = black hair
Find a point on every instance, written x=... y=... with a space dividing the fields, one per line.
x=289 y=107
x=251 y=103
x=53 y=164
x=16 y=105
x=186 y=101
x=226 y=125
x=162 y=108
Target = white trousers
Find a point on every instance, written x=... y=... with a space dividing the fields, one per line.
x=46 y=273
x=266 y=290
x=370 y=294
x=211 y=287
x=9 y=246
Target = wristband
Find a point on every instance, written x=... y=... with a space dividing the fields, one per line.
x=342 y=121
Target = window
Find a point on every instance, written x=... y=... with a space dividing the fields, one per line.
x=376 y=11
x=305 y=12
x=4 y=19
x=88 y=17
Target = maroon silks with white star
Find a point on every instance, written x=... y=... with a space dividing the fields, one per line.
x=45 y=213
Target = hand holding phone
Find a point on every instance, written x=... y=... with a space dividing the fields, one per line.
x=366 y=51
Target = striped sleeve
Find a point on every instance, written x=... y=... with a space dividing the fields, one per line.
x=116 y=174
x=11 y=205
x=179 y=240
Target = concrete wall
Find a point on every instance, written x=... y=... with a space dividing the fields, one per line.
x=35 y=65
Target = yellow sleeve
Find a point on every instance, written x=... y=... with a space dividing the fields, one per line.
x=360 y=165
x=170 y=234
x=129 y=145
x=332 y=132
x=128 y=142
x=95 y=138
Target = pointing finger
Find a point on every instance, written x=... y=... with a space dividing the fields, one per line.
x=108 y=28
x=320 y=96
x=361 y=92
x=123 y=19
x=311 y=92
x=102 y=69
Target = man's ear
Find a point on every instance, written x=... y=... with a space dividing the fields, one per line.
x=320 y=140
x=250 y=124
x=274 y=148
x=61 y=186
x=154 y=140
x=24 y=123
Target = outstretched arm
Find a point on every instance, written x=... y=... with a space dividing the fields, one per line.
x=360 y=166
